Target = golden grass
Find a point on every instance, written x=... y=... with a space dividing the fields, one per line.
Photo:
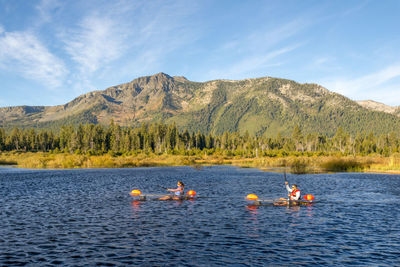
x=298 y=165
x=386 y=164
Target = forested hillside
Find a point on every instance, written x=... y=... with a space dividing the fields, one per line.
x=263 y=107
x=161 y=138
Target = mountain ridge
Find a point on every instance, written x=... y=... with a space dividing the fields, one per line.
x=377 y=106
x=263 y=105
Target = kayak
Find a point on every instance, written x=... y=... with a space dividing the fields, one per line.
x=279 y=202
x=138 y=195
x=306 y=201
x=145 y=197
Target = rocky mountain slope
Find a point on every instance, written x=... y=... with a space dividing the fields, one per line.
x=376 y=106
x=260 y=106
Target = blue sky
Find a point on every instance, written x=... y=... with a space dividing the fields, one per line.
x=52 y=51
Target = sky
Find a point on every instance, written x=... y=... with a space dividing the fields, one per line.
x=52 y=51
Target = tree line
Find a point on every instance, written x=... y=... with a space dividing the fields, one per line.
x=159 y=138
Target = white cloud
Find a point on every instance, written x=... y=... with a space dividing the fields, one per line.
x=388 y=95
x=24 y=53
x=370 y=85
x=279 y=34
x=367 y=82
x=137 y=35
x=261 y=49
x=263 y=39
x=46 y=10
x=244 y=67
x=1 y=29
x=95 y=42
x=318 y=62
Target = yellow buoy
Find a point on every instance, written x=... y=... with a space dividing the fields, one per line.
x=191 y=193
x=252 y=197
x=309 y=197
x=135 y=192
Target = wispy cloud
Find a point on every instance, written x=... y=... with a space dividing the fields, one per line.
x=261 y=49
x=131 y=38
x=95 y=42
x=356 y=8
x=24 y=53
x=263 y=39
x=246 y=66
x=320 y=61
x=370 y=84
x=388 y=95
x=46 y=11
x=370 y=81
x=380 y=77
x=108 y=34
x=270 y=37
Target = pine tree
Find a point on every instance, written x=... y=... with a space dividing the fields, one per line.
x=297 y=138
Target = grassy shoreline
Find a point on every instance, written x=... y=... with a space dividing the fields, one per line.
x=298 y=165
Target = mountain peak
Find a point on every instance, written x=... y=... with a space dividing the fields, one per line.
x=161 y=75
x=158 y=78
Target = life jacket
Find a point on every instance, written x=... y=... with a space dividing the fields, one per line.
x=293 y=194
x=180 y=192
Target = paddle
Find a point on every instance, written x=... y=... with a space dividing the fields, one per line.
x=284 y=176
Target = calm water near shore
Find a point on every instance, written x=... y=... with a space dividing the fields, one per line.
x=87 y=217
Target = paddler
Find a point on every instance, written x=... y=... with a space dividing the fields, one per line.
x=179 y=192
x=293 y=193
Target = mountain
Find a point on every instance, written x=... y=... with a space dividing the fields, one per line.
x=373 y=105
x=260 y=106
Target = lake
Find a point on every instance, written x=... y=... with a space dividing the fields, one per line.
x=87 y=217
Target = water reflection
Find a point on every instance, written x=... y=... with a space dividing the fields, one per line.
x=253 y=225
x=253 y=209
x=293 y=208
x=136 y=205
x=309 y=210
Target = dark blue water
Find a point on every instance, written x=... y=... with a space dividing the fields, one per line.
x=87 y=217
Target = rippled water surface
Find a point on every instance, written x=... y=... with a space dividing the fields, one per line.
x=87 y=217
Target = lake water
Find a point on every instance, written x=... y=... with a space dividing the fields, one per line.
x=87 y=217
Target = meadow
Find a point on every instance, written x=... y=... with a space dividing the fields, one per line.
x=294 y=164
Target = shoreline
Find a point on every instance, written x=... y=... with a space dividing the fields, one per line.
x=290 y=164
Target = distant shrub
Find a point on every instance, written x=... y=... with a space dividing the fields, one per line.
x=8 y=162
x=298 y=166
x=342 y=165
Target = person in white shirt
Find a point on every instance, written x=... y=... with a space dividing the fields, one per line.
x=293 y=193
